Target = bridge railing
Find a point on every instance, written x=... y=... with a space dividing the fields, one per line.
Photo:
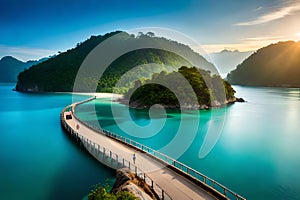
x=115 y=161
x=164 y=158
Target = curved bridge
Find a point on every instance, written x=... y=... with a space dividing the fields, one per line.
x=169 y=178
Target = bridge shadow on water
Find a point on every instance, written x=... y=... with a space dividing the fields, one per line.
x=76 y=179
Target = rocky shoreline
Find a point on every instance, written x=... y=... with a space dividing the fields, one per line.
x=214 y=104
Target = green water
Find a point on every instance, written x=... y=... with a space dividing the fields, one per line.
x=37 y=159
x=257 y=143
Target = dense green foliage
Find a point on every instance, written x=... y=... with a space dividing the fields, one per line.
x=10 y=67
x=136 y=58
x=276 y=65
x=102 y=192
x=161 y=89
x=59 y=73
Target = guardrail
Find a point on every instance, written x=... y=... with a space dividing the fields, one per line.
x=164 y=158
x=113 y=160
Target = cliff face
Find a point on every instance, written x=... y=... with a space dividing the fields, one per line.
x=128 y=181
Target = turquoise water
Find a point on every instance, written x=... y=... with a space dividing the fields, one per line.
x=37 y=159
x=255 y=155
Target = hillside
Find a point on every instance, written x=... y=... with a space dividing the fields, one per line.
x=58 y=74
x=201 y=92
x=10 y=67
x=277 y=65
x=227 y=60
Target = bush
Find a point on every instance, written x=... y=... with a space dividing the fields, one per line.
x=102 y=192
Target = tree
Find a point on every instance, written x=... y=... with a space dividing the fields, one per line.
x=140 y=34
x=102 y=192
x=150 y=34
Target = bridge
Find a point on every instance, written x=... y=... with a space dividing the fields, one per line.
x=169 y=178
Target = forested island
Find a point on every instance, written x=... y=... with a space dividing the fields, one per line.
x=277 y=65
x=209 y=90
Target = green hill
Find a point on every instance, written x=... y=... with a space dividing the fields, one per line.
x=58 y=74
x=10 y=67
x=277 y=65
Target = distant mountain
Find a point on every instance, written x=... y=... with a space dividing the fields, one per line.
x=58 y=74
x=10 y=67
x=277 y=65
x=227 y=60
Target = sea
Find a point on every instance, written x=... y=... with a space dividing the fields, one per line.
x=251 y=148
x=37 y=158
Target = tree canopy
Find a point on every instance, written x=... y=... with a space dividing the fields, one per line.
x=209 y=90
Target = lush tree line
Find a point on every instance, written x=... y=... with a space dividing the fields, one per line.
x=275 y=65
x=58 y=74
x=209 y=90
x=102 y=192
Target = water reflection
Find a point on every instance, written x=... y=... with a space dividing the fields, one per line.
x=258 y=150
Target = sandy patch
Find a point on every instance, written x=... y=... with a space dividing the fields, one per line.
x=101 y=95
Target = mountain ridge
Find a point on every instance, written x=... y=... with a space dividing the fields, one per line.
x=227 y=60
x=10 y=67
x=276 y=65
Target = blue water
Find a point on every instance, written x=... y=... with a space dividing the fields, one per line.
x=255 y=155
x=37 y=159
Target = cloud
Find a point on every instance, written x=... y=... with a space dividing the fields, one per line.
x=274 y=38
x=274 y=15
x=25 y=53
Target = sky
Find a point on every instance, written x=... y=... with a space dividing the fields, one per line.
x=32 y=29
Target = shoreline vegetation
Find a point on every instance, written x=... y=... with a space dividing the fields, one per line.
x=169 y=102
x=173 y=82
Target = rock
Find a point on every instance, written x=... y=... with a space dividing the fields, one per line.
x=204 y=107
x=123 y=175
x=128 y=181
x=240 y=100
x=136 y=191
x=215 y=103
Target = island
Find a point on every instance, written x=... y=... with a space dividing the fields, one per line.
x=209 y=90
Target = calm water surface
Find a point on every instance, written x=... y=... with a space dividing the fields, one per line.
x=37 y=159
x=257 y=153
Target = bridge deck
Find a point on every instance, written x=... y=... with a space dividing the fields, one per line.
x=177 y=186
